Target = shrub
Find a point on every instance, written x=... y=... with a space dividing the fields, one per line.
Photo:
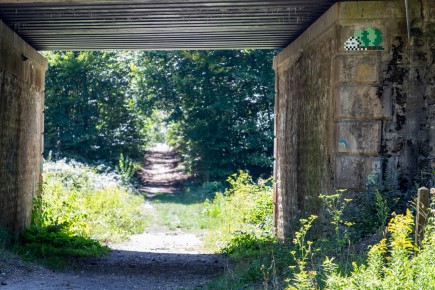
x=390 y=264
x=244 y=233
x=246 y=208
x=125 y=169
x=242 y=228
x=87 y=203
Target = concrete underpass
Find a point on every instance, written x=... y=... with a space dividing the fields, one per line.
x=355 y=85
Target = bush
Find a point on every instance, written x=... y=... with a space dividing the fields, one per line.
x=392 y=263
x=244 y=233
x=241 y=221
x=246 y=208
x=87 y=203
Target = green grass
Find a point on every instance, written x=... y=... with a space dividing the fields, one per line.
x=54 y=248
x=184 y=210
x=88 y=204
x=237 y=222
x=76 y=209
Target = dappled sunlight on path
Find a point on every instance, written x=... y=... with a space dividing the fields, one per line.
x=162 y=172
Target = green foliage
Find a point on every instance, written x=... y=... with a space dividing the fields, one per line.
x=86 y=203
x=91 y=106
x=53 y=247
x=219 y=107
x=157 y=127
x=241 y=226
x=125 y=168
x=335 y=205
x=392 y=263
x=375 y=204
x=303 y=278
x=382 y=209
x=213 y=186
x=245 y=208
x=256 y=261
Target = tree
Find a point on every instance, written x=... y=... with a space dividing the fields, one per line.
x=91 y=106
x=219 y=105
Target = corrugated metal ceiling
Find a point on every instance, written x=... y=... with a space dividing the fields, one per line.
x=166 y=24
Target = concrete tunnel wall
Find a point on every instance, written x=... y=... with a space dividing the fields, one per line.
x=22 y=77
x=342 y=115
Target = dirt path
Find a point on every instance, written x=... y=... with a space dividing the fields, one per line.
x=162 y=172
x=156 y=259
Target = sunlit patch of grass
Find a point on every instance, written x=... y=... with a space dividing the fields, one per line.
x=245 y=208
x=88 y=204
x=184 y=210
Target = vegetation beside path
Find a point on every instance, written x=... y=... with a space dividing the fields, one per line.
x=238 y=223
x=78 y=209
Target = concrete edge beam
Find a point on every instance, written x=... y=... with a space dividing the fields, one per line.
x=14 y=40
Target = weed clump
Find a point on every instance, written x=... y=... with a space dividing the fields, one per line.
x=331 y=261
x=87 y=203
x=242 y=214
x=241 y=227
x=393 y=263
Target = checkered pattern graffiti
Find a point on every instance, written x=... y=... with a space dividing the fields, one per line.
x=364 y=39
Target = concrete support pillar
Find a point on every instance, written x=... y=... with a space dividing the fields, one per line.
x=22 y=77
x=348 y=109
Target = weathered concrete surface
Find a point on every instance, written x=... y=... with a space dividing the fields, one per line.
x=304 y=129
x=343 y=115
x=22 y=73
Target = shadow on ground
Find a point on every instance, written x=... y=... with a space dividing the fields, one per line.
x=123 y=270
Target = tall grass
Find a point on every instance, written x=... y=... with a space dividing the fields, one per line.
x=183 y=210
x=76 y=209
x=87 y=203
x=241 y=229
x=244 y=209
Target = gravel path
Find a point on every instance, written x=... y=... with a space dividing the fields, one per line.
x=156 y=259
